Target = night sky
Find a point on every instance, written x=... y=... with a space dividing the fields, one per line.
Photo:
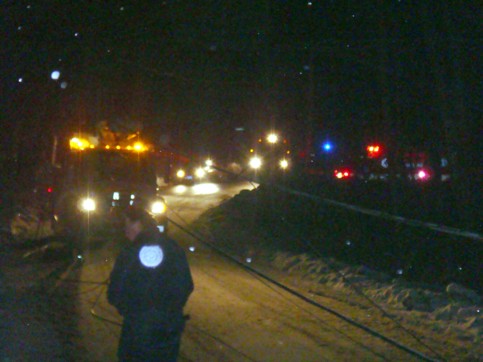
x=402 y=72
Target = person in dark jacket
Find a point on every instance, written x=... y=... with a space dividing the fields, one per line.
x=149 y=285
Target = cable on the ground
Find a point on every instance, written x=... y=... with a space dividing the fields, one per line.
x=276 y=291
x=308 y=300
x=269 y=286
x=371 y=301
x=221 y=342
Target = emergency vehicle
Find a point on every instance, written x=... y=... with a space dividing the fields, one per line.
x=408 y=164
x=377 y=163
x=99 y=175
x=270 y=155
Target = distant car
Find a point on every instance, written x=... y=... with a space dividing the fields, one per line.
x=344 y=173
x=192 y=173
x=182 y=176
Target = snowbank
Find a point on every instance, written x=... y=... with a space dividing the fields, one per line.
x=452 y=312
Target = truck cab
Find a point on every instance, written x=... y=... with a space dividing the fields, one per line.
x=98 y=180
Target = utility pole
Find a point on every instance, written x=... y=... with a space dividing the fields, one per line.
x=309 y=117
x=309 y=121
x=268 y=60
x=388 y=122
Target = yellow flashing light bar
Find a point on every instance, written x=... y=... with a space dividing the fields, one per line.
x=80 y=144
x=136 y=147
x=139 y=147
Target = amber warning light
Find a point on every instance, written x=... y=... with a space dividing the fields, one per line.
x=373 y=150
x=81 y=144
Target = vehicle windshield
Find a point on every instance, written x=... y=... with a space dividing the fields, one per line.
x=121 y=167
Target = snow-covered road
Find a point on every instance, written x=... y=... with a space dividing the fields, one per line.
x=235 y=315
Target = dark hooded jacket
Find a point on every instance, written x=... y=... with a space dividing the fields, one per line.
x=150 y=298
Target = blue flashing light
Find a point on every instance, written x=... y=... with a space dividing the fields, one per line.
x=327 y=146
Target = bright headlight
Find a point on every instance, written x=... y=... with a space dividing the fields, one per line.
x=180 y=174
x=255 y=163
x=88 y=204
x=158 y=207
x=283 y=164
x=200 y=172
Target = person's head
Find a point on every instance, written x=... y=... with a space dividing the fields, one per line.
x=136 y=220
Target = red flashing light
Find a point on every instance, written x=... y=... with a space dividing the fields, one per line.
x=341 y=174
x=374 y=150
x=423 y=175
x=50 y=189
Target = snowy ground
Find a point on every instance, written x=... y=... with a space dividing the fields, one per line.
x=30 y=260
x=448 y=317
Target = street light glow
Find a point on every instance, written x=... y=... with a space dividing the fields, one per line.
x=283 y=164
x=255 y=163
x=272 y=138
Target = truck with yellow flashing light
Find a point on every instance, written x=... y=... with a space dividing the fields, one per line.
x=99 y=176
x=270 y=156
